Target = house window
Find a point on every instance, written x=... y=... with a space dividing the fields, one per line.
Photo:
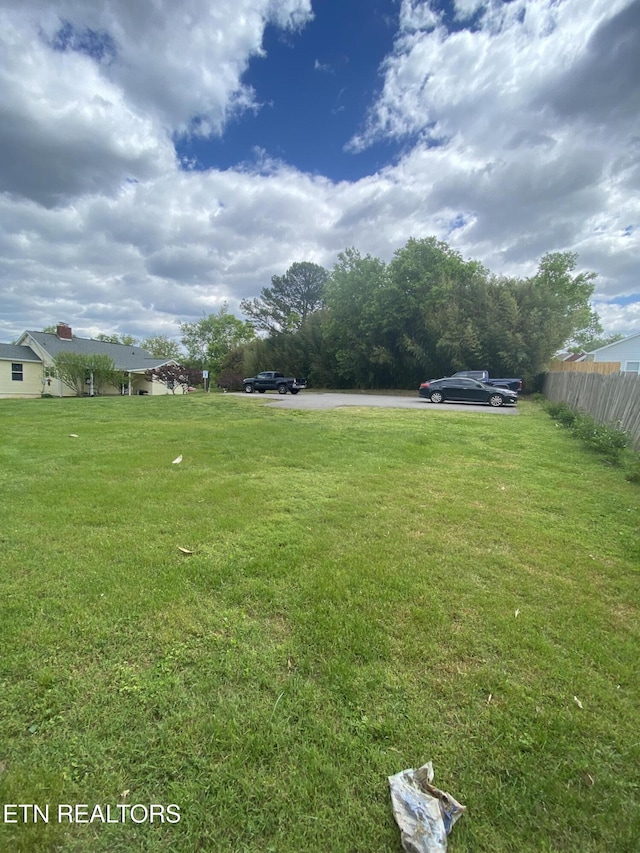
x=632 y=367
x=16 y=372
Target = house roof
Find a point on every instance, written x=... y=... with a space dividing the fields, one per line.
x=615 y=343
x=14 y=352
x=124 y=357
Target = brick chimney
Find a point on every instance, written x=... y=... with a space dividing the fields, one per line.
x=64 y=332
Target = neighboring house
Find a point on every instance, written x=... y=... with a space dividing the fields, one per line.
x=626 y=352
x=26 y=368
x=568 y=357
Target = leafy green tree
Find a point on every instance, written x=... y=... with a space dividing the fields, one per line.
x=233 y=369
x=161 y=346
x=568 y=297
x=587 y=342
x=209 y=340
x=305 y=353
x=75 y=369
x=292 y=298
x=392 y=325
x=436 y=305
x=428 y=313
x=311 y=353
x=356 y=298
x=71 y=368
x=127 y=340
x=553 y=308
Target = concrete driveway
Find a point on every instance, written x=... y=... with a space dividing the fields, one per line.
x=317 y=400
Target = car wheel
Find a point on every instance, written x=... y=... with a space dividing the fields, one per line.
x=436 y=397
x=248 y=388
x=294 y=390
x=496 y=400
x=260 y=390
x=282 y=389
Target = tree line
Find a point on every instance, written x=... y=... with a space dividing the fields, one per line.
x=374 y=324
x=426 y=313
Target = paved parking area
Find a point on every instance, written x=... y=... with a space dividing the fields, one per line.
x=313 y=400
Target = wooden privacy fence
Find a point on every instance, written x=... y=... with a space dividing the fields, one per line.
x=586 y=366
x=613 y=399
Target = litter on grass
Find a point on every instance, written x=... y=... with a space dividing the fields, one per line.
x=424 y=814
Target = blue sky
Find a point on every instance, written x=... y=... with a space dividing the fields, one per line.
x=314 y=89
x=160 y=158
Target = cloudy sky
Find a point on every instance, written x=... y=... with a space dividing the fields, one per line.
x=160 y=157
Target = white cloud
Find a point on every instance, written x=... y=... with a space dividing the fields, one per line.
x=416 y=15
x=505 y=158
x=465 y=9
x=480 y=84
x=179 y=60
x=526 y=126
x=66 y=129
x=91 y=93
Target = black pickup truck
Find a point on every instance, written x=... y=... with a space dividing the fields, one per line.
x=271 y=380
x=483 y=376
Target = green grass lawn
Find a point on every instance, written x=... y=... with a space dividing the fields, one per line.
x=368 y=590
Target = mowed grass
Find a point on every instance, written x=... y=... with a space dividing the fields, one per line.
x=369 y=589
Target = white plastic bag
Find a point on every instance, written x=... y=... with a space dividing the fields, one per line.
x=424 y=814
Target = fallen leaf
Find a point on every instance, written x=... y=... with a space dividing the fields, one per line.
x=72 y=435
x=577 y=701
x=184 y=550
x=178 y=460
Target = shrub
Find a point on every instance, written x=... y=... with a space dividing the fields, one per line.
x=604 y=438
x=230 y=380
x=561 y=412
x=607 y=439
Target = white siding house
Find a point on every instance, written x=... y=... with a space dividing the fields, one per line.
x=626 y=351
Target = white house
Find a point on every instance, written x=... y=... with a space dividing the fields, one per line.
x=626 y=351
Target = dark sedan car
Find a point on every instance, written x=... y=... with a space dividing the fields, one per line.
x=460 y=390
